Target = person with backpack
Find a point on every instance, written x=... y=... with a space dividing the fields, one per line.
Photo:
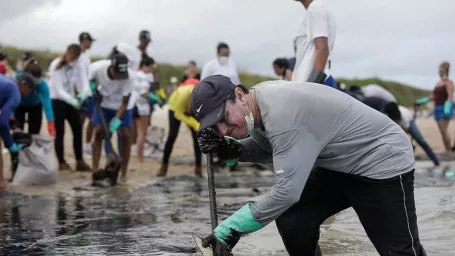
x=34 y=104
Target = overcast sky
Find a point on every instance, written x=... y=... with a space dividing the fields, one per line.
x=403 y=40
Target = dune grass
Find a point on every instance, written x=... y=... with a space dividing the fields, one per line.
x=405 y=94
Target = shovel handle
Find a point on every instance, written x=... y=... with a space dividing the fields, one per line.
x=212 y=193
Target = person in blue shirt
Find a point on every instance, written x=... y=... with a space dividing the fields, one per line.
x=34 y=103
x=10 y=97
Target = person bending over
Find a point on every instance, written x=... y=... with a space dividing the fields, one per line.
x=34 y=103
x=281 y=68
x=10 y=97
x=114 y=81
x=330 y=152
x=180 y=111
x=403 y=117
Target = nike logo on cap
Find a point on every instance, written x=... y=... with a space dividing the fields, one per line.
x=199 y=109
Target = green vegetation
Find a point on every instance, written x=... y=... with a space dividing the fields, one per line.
x=405 y=94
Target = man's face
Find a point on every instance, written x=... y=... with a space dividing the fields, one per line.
x=86 y=44
x=233 y=123
x=278 y=71
x=224 y=52
x=145 y=42
x=24 y=89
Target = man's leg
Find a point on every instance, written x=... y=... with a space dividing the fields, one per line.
x=387 y=212
x=59 y=108
x=321 y=198
x=174 y=126
x=125 y=136
x=74 y=120
x=35 y=118
x=97 y=142
x=19 y=116
x=415 y=134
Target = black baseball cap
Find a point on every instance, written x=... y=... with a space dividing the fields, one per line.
x=27 y=79
x=145 y=35
x=85 y=36
x=120 y=63
x=208 y=99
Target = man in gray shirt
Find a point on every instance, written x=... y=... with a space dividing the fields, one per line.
x=329 y=151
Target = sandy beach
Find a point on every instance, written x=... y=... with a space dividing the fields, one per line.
x=142 y=174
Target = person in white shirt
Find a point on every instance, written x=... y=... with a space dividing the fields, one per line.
x=69 y=87
x=315 y=42
x=114 y=82
x=404 y=118
x=85 y=41
x=374 y=90
x=143 y=97
x=222 y=65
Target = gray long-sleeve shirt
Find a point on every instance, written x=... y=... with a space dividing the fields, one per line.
x=309 y=124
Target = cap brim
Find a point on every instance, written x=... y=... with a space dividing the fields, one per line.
x=121 y=76
x=212 y=118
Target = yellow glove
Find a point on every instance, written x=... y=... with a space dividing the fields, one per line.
x=161 y=93
x=193 y=123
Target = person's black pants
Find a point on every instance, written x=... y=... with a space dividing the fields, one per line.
x=34 y=118
x=385 y=208
x=174 y=126
x=63 y=111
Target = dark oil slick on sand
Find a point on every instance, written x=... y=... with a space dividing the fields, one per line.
x=158 y=219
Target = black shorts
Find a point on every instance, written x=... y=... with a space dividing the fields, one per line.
x=385 y=208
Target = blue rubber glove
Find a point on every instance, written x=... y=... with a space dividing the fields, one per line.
x=229 y=231
x=114 y=124
x=155 y=99
x=15 y=148
x=448 y=108
x=423 y=101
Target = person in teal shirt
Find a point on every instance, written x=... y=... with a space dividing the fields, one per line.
x=34 y=103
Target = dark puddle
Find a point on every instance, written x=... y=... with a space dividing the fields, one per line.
x=159 y=219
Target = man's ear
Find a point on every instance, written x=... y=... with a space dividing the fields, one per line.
x=240 y=95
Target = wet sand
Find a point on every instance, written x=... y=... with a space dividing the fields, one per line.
x=152 y=216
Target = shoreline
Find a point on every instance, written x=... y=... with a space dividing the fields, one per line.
x=140 y=175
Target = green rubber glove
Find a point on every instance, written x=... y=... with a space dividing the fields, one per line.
x=155 y=99
x=83 y=96
x=448 y=108
x=114 y=124
x=241 y=222
x=423 y=101
x=93 y=86
x=73 y=101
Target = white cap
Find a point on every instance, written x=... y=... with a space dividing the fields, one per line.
x=174 y=79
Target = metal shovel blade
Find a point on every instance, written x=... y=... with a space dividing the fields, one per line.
x=204 y=251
